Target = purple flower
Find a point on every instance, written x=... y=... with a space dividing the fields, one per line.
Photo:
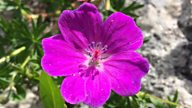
x=94 y=56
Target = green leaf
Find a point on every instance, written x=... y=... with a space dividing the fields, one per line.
x=135 y=103
x=175 y=99
x=157 y=103
x=20 y=94
x=132 y=7
x=50 y=93
x=146 y=39
x=117 y=4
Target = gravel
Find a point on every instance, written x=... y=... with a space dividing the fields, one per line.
x=168 y=25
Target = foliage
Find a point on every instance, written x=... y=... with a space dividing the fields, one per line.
x=22 y=27
x=141 y=100
x=50 y=93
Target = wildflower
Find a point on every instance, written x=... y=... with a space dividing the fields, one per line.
x=94 y=56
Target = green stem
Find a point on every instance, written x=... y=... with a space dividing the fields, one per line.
x=155 y=97
x=14 y=53
x=25 y=62
x=11 y=85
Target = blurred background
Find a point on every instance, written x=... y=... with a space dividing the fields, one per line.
x=167 y=27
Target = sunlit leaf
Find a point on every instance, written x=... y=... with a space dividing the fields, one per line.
x=50 y=93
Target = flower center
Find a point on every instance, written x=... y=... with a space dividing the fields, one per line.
x=95 y=53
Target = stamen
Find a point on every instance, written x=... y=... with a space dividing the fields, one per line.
x=94 y=73
x=98 y=45
x=104 y=49
x=95 y=52
x=93 y=44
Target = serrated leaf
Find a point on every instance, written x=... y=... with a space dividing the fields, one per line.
x=50 y=93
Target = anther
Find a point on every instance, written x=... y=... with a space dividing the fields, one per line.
x=99 y=44
x=104 y=49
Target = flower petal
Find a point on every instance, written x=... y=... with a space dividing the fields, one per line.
x=60 y=59
x=97 y=90
x=81 y=26
x=121 y=33
x=73 y=89
x=125 y=70
x=58 y=36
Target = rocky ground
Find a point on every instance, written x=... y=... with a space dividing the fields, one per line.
x=168 y=24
